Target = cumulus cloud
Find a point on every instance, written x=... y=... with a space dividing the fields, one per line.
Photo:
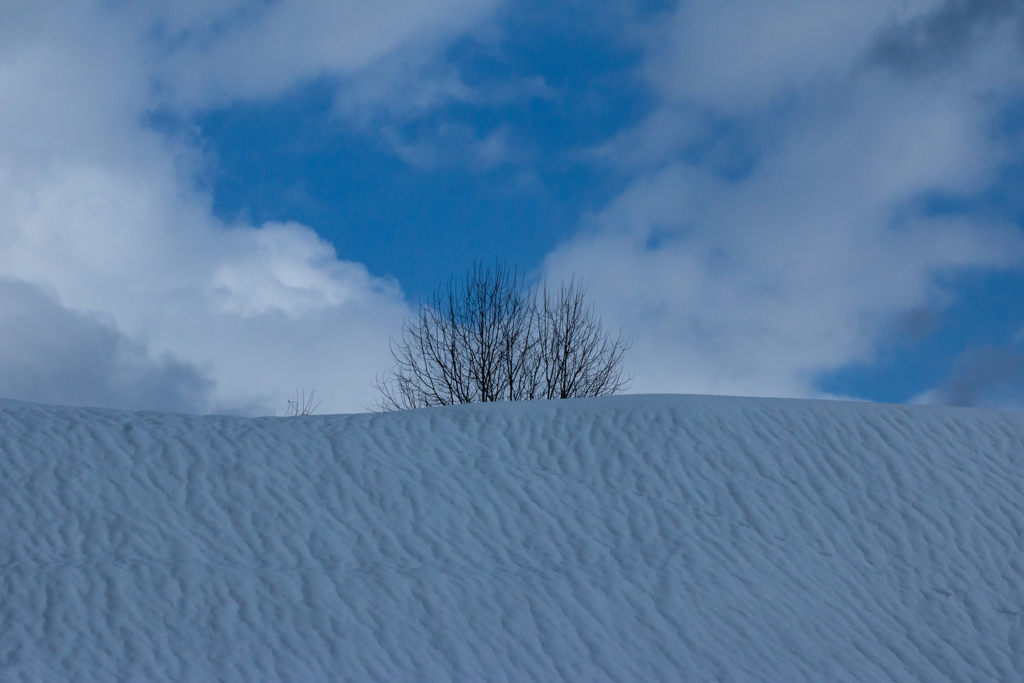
x=151 y=301
x=778 y=221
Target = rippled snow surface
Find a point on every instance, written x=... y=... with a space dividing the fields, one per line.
x=635 y=538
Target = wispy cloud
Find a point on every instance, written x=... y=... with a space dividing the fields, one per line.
x=751 y=267
x=247 y=50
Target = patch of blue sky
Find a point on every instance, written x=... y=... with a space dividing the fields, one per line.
x=932 y=348
x=423 y=220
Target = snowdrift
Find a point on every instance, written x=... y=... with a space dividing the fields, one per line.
x=634 y=538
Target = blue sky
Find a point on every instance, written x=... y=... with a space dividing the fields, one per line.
x=210 y=205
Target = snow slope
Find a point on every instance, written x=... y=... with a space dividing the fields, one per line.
x=630 y=538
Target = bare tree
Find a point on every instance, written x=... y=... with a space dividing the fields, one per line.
x=298 y=407
x=489 y=337
x=577 y=357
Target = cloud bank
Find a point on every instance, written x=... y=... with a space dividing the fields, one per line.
x=120 y=288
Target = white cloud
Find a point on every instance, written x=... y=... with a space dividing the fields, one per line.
x=152 y=302
x=407 y=87
x=754 y=281
x=259 y=49
x=739 y=56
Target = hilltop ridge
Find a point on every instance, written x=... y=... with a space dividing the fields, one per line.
x=612 y=539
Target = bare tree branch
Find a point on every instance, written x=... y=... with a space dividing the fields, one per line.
x=488 y=337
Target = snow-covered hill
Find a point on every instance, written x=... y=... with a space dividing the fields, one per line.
x=635 y=538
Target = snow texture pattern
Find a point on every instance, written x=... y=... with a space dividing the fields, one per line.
x=637 y=538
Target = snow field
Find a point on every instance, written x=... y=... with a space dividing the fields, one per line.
x=615 y=539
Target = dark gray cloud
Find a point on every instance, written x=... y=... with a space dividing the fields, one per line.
x=49 y=354
x=944 y=36
x=915 y=324
x=990 y=377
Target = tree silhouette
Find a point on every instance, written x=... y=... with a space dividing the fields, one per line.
x=489 y=337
